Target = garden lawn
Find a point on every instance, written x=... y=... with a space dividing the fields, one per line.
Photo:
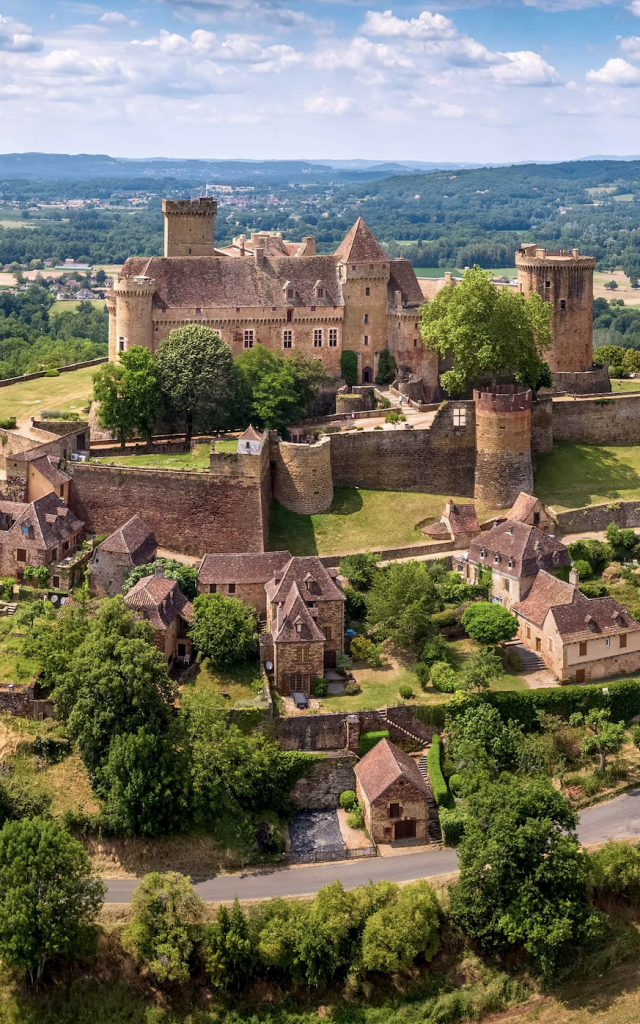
x=242 y=684
x=189 y=460
x=625 y=385
x=69 y=391
x=64 y=305
x=14 y=666
x=358 y=520
x=573 y=475
x=230 y=444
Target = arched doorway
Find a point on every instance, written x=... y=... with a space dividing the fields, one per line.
x=366 y=375
x=405 y=829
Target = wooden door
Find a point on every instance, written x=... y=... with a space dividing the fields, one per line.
x=538 y=644
x=329 y=659
x=580 y=675
x=405 y=829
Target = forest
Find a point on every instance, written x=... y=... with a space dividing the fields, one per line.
x=32 y=337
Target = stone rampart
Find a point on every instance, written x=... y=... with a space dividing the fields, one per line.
x=614 y=420
x=302 y=479
x=593 y=518
x=503 y=440
x=541 y=425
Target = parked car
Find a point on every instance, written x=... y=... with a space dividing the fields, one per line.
x=300 y=700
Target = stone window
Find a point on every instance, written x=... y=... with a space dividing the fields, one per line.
x=367 y=291
x=248 y=339
x=302 y=654
x=550 y=643
x=496 y=559
x=583 y=648
x=415 y=342
x=287 y=339
x=289 y=293
x=394 y=810
x=120 y=344
x=607 y=642
x=212 y=588
x=21 y=555
x=459 y=414
x=563 y=303
x=289 y=316
x=320 y=293
x=54 y=555
x=333 y=337
x=198 y=309
x=317 y=337
x=232 y=588
x=328 y=632
x=56 y=582
x=547 y=284
x=65 y=546
x=483 y=553
x=623 y=639
x=505 y=584
x=510 y=563
x=366 y=318
x=528 y=632
x=366 y=339
x=536 y=518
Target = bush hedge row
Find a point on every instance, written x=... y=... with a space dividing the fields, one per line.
x=439 y=786
x=622 y=699
x=369 y=740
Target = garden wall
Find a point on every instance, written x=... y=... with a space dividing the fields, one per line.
x=329 y=731
x=43 y=373
x=320 y=788
x=614 y=420
x=597 y=517
x=21 y=703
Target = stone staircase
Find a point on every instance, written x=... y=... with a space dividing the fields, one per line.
x=434 y=831
x=531 y=661
x=401 y=728
x=10 y=609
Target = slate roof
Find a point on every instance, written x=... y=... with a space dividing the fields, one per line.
x=160 y=600
x=51 y=518
x=383 y=765
x=403 y=278
x=133 y=538
x=577 y=617
x=243 y=568
x=251 y=434
x=219 y=281
x=311 y=578
x=46 y=468
x=359 y=245
x=295 y=613
x=529 y=549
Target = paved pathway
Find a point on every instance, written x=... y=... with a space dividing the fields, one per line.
x=616 y=819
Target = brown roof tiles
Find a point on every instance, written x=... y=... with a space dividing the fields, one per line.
x=577 y=617
x=359 y=245
x=243 y=568
x=521 y=550
x=312 y=580
x=134 y=538
x=160 y=600
x=383 y=765
x=297 y=620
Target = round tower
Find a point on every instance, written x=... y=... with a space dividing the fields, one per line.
x=302 y=479
x=565 y=279
x=503 y=445
x=130 y=323
x=189 y=226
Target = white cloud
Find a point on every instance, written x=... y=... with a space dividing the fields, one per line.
x=524 y=67
x=117 y=18
x=630 y=45
x=72 y=63
x=551 y=6
x=16 y=37
x=427 y=26
x=635 y=8
x=615 y=72
x=449 y=110
x=326 y=102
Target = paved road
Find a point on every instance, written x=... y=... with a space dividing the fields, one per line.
x=615 y=819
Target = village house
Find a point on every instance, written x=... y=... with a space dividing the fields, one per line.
x=160 y=601
x=515 y=553
x=130 y=545
x=529 y=510
x=393 y=793
x=579 y=638
x=244 y=576
x=458 y=523
x=42 y=532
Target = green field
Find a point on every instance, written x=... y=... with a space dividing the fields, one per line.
x=70 y=391
x=190 y=460
x=440 y=271
x=573 y=475
x=625 y=385
x=358 y=520
x=71 y=304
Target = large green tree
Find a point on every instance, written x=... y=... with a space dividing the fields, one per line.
x=161 y=934
x=49 y=898
x=491 y=332
x=489 y=623
x=278 y=390
x=523 y=878
x=198 y=379
x=225 y=630
x=400 y=602
x=407 y=928
x=128 y=394
x=185 y=574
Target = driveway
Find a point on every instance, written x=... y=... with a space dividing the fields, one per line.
x=616 y=819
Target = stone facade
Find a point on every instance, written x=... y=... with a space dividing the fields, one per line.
x=541 y=425
x=302 y=480
x=321 y=787
x=297 y=665
x=341 y=730
x=400 y=803
x=503 y=441
x=189 y=226
x=614 y=420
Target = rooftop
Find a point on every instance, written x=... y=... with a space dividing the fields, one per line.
x=383 y=765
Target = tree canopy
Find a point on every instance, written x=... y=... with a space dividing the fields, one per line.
x=491 y=332
x=278 y=390
x=489 y=623
x=128 y=394
x=225 y=630
x=400 y=602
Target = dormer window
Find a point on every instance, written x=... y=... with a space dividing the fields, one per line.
x=510 y=563
x=298 y=627
x=483 y=553
x=509 y=532
x=496 y=558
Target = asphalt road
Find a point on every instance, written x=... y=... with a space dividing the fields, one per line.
x=616 y=819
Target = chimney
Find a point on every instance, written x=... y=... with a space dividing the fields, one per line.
x=448 y=508
x=575 y=253
x=448 y=275
x=397 y=298
x=574 y=577
x=158 y=570
x=278 y=617
x=259 y=256
x=243 y=239
x=309 y=243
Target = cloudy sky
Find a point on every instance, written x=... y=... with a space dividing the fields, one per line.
x=464 y=80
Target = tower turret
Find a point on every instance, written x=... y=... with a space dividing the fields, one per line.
x=503 y=445
x=130 y=321
x=189 y=226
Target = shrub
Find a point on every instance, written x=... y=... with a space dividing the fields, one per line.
x=443 y=677
x=635 y=734
x=363 y=649
x=356 y=606
x=395 y=417
x=349 y=367
x=423 y=673
x=615 y=870
x=360 y=570
x=356 y=818
x=348 y=800
x=378 y=428
x=489 y=623
x=51 y=749
x=405 y=692
x=368 y=740
x=38 y=573
x=593 y=589
x=436 y=649
x=584 y=570
x=343 y=663
x=269 y=838
x=439 y=787
x=52 y=373
x=351 y=687
x=386 y=367
x=383 y=403
x=161 y=932
x=455 y=783
x=7 y=583
x=452 y=822
x=445 y=619
x=9 y=423
x=320 y=687
x=430 y=714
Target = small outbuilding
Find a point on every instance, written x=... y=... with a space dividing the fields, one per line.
x=130 y=545
x=394 y=794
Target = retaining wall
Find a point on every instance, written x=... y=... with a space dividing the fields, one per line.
x=43 y=373
x=321 y=787
x=625 y=514
x=329 y=731
x=614 y=420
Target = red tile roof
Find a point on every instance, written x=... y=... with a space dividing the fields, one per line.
x=244 y=568
x=296 y=614
x=577 y=617
x=546 y=592
x=524 y=505
x=160 y=600
x=134 y=538
x=383 y=765
x=50 y=472
x=311 y=577
x=360 y=246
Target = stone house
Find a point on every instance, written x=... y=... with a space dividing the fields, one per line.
x=30 y=469
x=458 y=523
x=244 y=576
x=530 y=510
x=161 y=602
x=131 y=544
x=515 y=553
x=42 y=532
x=579 y=638
x=393 y=793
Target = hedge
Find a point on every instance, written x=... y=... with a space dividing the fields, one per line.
x=445 y=618
x=430 y=714
x=452 y=822
x=439 y=786
x=368 y=740
x=622 y=699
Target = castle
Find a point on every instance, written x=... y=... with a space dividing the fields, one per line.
x=280 y=294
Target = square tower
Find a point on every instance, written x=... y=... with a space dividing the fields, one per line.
x=189 y=226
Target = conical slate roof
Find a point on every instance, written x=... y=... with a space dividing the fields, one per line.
x=360 y=246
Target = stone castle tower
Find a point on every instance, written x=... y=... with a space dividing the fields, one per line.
x=503 y=445
x=566 y=280
x=189 y=226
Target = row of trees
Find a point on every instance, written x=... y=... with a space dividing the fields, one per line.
x=193 y=378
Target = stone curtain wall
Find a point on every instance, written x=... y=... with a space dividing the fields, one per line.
x=503 y=439
x=188 y=512
x=614 y=420
x=542 y=425
x=625 y=514
x=440 y=460
x=329 y=731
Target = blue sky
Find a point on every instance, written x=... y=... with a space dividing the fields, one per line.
x=459 y=80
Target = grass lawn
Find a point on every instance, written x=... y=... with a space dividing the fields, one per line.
x=69 y=391
x=358 y=520
x=189 y=460
x=242 y=684
x=625 y=385
x=14 y=666
x=573 y=475
x=230 y=445
x=64 y=305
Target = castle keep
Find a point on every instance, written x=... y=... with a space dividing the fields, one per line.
x=275 y=293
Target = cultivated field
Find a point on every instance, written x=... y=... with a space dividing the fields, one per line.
x=624 y=290
x=70 y=391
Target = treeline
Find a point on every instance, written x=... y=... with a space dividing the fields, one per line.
x=33 y=337
x=87 y=236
